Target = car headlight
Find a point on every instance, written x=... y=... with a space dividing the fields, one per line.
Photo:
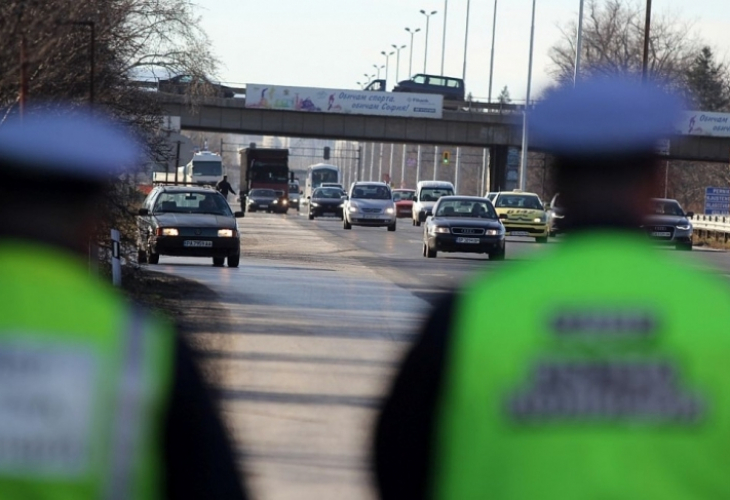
x=492 y=232
x=389 y=210
x=168 y=231
x=684 y=227
x=440 y=230
x=276 y=202
x=315 y=204
x=352 y=209
x=341 y=204
x=226 y=233
x=284 y=202
x=538 y=220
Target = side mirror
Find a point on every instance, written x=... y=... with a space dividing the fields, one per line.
x=690 y=215
x=237 y=214
x=143 y=211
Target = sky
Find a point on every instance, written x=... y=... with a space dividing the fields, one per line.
x=338 y=43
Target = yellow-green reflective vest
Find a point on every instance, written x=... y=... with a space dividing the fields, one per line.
x=602 y=371
x=83 y=383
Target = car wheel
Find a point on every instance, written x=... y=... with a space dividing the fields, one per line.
x=500 y=255
x=424 y=250
x=141 y=257
x=233 y=260
x=346 y=224
x=417 y=222
x=413 y=222
x=218 y=261
x=391 y=228
x=431 y=253
x=310 y=216
x=153 y=258
x=541 y=239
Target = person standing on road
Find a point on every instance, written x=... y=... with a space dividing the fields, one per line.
x=98 y=399
x=224 y=187
x=607 y=376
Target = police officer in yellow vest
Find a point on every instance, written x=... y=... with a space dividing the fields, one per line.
x=98 y=400
x=597 y=370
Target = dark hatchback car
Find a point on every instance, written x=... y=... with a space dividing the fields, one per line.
x=669 y=224
x=188 y=221
x=262 y=199
x=464 y=224
x=451 y=88
x=326 y=202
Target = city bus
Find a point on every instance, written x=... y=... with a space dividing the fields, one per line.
x=319 y=173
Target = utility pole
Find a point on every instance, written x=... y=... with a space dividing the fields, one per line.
x=466 y=38
x=647 y=32
x=425 y=50
x=491 y=58
x=525 y=114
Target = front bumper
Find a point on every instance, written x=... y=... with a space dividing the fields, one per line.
x=405 y=211
x=529 y=230
x=669 y=235
x=360 y=219
x=322 y=210
x=175 y=246
x=448 y=243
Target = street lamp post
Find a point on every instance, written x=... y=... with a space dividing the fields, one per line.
x=466 y=37
x=491 y=58
x=525 y=114
x=578 y=44
x=397 y=61
x=443 y=38
x=425 y=51
x=378 y=68
x=387 y=65
x=410 y=57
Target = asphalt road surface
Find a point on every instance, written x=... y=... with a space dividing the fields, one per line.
x=319 y=318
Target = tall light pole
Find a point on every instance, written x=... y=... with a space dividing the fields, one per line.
x=491 y=58
x=443 y=38
x=387 y=65
x=578 y=44
x=425 y=51
x=410 y=57
x=397 y=60
x=378 y=68
x=525 y=114
x=647 y=31
x=466 y=38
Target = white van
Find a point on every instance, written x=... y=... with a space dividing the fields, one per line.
x=427 y=194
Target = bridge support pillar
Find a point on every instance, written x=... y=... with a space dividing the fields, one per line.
x=504 y=165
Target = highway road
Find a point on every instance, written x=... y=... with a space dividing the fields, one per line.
x=318 y=320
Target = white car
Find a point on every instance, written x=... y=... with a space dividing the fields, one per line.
x=369 y=204
x=427 y=194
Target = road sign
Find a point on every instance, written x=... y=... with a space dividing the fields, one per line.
x=717 y=201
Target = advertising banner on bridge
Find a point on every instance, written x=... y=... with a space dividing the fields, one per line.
x=340 y=101
x=704 y=124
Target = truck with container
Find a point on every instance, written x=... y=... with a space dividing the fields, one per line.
x=265 y=168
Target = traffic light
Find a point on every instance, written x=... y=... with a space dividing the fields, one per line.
x=326 y=153
x=446 y=157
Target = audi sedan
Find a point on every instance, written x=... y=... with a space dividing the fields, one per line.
x=326 y=202
x=669 y=224
x=188 y=221
x=464 y=224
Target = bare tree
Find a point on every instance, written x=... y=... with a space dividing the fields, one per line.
x=613 y=34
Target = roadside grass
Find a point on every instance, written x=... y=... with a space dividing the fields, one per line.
x=708 y=242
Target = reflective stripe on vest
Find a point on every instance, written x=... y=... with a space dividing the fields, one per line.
x=600 y=371
x=128 y=418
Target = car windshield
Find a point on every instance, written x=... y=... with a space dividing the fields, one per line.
x=294 y=188
x=210 y=168
x=666 y=207
x=324 y=175
x=328 y=193
x=433 y=194
x=466 y=208
x=263 y=193
x=403 y=195
x=192 y=202
x=519 y=201
x=370 y=192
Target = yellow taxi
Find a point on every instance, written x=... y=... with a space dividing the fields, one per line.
x=522 y=214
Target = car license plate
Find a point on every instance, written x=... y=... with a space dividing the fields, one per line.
x=328 y=214
x=197 y=243
x=370 y=216
x=519 y=233
x=263 y=206
x=467 y=240
x=661 y=234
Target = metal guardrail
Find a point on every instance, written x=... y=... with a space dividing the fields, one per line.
x=717 y=225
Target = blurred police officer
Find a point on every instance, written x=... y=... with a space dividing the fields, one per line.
x=97 y=398
x=605 y=377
